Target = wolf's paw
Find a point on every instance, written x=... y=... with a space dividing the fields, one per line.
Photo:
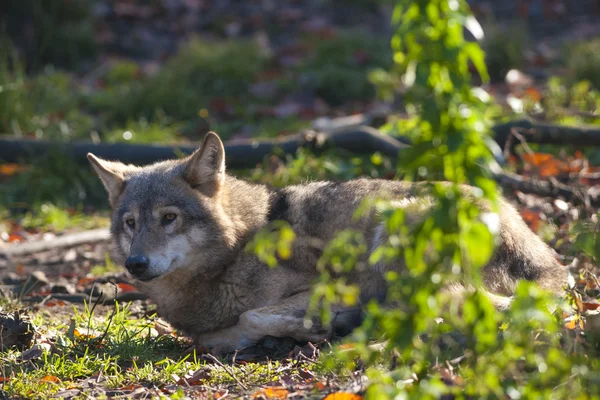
x=222 y=341
x=311 y=330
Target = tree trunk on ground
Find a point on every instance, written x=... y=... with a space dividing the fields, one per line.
x=357 y=139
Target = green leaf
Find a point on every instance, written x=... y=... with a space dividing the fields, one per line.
x=477 y=56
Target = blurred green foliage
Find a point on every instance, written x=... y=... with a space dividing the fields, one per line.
x=571 y=104
x=55 y=32
x=273 y=243
x=337 y=68
x=205 y=85
x=52 y=179
x=58 y=218
x=335 y=165
x=159 y=130
x=187 y=83
x=46 y=106
x=584 y=60
x=505 y=47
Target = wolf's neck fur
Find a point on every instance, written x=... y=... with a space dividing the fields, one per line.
x=246 y=205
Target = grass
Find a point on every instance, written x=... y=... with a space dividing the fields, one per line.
x=102 y=351
x=76 y=355
x=144 y=131
x=49 y=216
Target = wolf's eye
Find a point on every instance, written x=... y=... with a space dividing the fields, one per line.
x=130 y=222
x=169 y=217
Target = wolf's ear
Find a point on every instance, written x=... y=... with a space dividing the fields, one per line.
x=205 y=168
x=110 y=174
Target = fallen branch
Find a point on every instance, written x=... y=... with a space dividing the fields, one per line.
x=550 y=188
x=535 y=132
x=80 y=298
x=69 y=240
x=357 y=139
x=345 y=134
x=240 y=154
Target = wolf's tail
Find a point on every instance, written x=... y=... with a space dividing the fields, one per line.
x=522 y=255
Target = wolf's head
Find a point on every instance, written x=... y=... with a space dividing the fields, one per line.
x=170 y=216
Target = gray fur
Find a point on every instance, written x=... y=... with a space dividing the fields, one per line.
x=205 y=284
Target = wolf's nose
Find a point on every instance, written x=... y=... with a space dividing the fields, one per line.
x=137 y=264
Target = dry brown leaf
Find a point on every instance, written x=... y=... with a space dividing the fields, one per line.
x=533 y=94
x=271 y=393
x=130 y=387
x=88 y=335
x=343 y=396
x=15 y=238
x=578 y=300
x=547 y=164
x=53 y=303
x=532 y=218
x=85 y=281
x=199 y=377
x=51 y=379
x=306 y=374
x=220 y=394
x=126 y=287
x=10 y=169
x=572 y=324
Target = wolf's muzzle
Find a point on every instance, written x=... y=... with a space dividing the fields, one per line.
x=137 y=265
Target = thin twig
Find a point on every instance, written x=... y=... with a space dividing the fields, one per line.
x=594 y=278
x=93 y=308
x=231 y=373
x=65 y=241
x=248 y=373
x=301 y=355
x=108 y=325
x=515 y=132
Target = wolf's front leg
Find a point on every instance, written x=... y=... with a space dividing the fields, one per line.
x=224 y=340
x=283 y=320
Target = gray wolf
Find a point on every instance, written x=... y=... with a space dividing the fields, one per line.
x=180 y=228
